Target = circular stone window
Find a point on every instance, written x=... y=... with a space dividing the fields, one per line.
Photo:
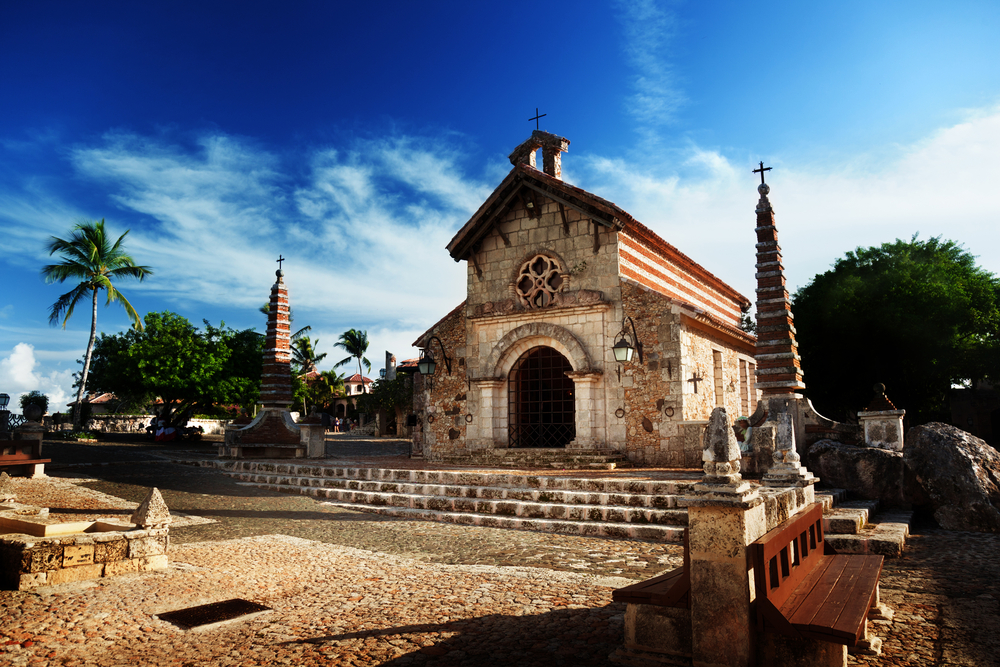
x=538 y=281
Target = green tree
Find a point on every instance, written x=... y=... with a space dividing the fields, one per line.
x=389 y=397
x=35 y=397
x=190 y=370
x=917 y=316
x=355 y=343
x=90 y=257
x=318 y=392
x=304 y=357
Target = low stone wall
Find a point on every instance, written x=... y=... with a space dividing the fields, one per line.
x=132 y=424
x=27 y=562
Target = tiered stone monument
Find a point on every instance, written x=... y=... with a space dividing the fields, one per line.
x=273 y=433
x=783 y=413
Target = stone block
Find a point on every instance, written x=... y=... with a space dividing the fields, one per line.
x=78 y=573
x=119 y=567
x=29 y=580
x=43 y=557
x=152 y=563
x=78 y=555
x=147 y=546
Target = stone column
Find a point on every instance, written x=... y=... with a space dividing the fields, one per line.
x=491 y=405
x=725 y=516
x=586 y=407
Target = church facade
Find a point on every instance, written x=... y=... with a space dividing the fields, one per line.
x=556 y=278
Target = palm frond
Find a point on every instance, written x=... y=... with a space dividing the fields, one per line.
x=65 y=304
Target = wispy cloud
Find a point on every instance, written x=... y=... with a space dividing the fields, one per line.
x=649 y=31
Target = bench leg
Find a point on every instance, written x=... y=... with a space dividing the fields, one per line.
x=776 y=649
x=655 y=636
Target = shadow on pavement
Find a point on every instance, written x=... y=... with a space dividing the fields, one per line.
x=559 y=637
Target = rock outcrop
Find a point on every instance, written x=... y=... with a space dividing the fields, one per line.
x=956 y=475
x=867 y=472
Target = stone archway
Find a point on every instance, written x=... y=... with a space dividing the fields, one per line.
x=541 y=402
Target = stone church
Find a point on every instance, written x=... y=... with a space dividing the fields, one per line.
x=559 y=279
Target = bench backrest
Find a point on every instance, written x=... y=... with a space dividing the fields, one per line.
x=784 y=556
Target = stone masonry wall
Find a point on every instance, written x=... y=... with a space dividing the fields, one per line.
x=586 y=270
x=664 y=415
x=441 y=404
x=721 y=385
x=650 y=392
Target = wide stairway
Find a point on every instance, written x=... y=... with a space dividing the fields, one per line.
x=629 y=504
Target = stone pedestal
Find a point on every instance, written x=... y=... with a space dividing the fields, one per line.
x=883 y=429
x=313 y=439
x=725 y=516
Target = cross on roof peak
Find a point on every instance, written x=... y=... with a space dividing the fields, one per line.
x=280 y=260
x=761 y=171
x=537 y=116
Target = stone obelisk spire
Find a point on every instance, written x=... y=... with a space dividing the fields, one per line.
x=779 y=369
x=276 y=381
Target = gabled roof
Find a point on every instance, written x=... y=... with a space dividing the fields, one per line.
x=526 y=179
x=357 y=377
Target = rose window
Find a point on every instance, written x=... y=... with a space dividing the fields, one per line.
x=538 y=281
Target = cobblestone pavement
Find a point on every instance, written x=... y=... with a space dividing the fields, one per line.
x=348 y=588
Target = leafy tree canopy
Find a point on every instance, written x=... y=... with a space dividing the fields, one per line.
x=388 y=395
x=917 y=316
x=171 y=359
x=35 y=397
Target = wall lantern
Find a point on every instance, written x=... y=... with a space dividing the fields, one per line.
x=4 y=400
x=426 y=365
x=625 y=347
x=381 y=374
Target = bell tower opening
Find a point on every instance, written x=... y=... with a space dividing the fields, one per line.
x=541 y=403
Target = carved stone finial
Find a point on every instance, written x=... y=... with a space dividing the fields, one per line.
x=6 y=488
x=721 y=452
x=152 y=512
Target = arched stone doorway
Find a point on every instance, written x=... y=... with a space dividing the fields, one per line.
x=541 y=401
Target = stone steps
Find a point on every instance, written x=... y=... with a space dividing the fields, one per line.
x=558 y=458
x=620 y=507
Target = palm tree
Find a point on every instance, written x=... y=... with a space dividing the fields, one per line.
x=304 y=354
x=355 y=343
x=90 y=257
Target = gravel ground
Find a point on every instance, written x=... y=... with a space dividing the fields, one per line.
x=348 y=588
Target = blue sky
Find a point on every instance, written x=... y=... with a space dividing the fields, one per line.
x=356 y=138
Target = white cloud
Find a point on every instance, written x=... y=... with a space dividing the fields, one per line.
x=19 y=375
x=649 y=32
x=943 y=185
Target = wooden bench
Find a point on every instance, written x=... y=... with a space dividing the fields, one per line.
x=802 y=591
x=670 y=589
